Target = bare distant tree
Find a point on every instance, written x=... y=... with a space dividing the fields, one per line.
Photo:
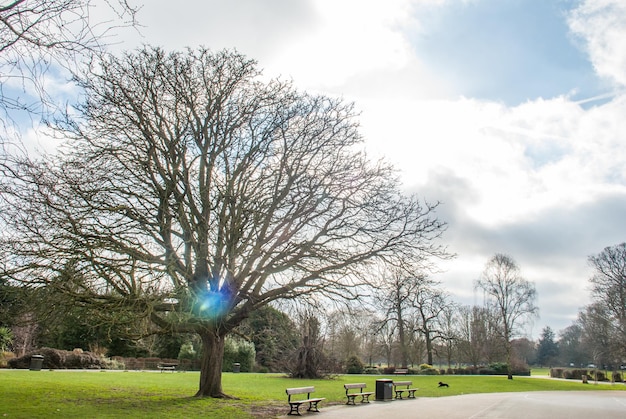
x=449 y=331
x=195 y=193
x=348 y=334
x=466 y=347
x=397 y=291
x=599 y=337
x=473 y=334
x=509 y=295
x=570 y=346
x=386 y=337
x=309 y=360
x=430 y=303
x=609 y=285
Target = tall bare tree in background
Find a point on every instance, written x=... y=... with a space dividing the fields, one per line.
x=598 y=337
x=450 y=336
x=609 y=290
x=430 y=303
x=397 y=290
x=510 y=296
x=40 y=37
x=193 y=193
x=395 y=301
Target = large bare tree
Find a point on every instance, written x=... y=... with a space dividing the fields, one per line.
x=194 y=192
x=509 y=295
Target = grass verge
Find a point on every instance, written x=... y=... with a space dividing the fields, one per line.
x=113 y=394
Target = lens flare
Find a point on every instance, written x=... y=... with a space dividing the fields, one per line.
x=213 y=304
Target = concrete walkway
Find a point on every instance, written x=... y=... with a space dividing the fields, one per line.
x=553 y=404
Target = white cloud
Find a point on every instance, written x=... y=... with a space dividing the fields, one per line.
x=351 y=39
x=602 y=25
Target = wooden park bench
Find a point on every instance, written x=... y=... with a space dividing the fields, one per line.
x=295 y=404
x=408 y=389
x=365 y=395
x=167 y=367
x=401 y=371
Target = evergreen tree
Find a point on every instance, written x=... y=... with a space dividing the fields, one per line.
x=547 y=350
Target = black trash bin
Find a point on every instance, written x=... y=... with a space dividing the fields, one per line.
x=36 y=361
x=236 y=367
x=384 y=389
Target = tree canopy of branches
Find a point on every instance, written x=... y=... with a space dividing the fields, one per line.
x=194 y=193
x=39 y=35
x=510 y=295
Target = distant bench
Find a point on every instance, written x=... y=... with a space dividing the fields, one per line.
x=295 y=404
x=167 y=367
x=401 y=371
x=397 y=388
x=365 y=395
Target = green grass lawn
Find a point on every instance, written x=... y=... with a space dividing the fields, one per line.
x=113 y=394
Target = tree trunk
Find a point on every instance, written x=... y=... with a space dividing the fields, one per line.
x=404 y=351
x=429 y=348
x=509 y=350
x=211 y=367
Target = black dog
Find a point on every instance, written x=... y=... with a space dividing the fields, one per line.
x=443 y=384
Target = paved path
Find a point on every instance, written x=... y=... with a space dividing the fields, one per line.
x=559 y=404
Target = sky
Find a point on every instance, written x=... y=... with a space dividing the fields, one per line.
x=510 y=113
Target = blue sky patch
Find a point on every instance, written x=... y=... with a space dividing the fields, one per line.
x=509 y=51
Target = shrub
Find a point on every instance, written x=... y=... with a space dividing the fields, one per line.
x=354 y=365
x=59 y=359
x=425 y=367
x=151 y=363
x=187 y=351
x=617 y=377
x=600 y=376
x=113 y=364
x=577 y=374
x=499 y=368
x=4 y=358
x=6 y=338
x=371 y=370
x=240 y=351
